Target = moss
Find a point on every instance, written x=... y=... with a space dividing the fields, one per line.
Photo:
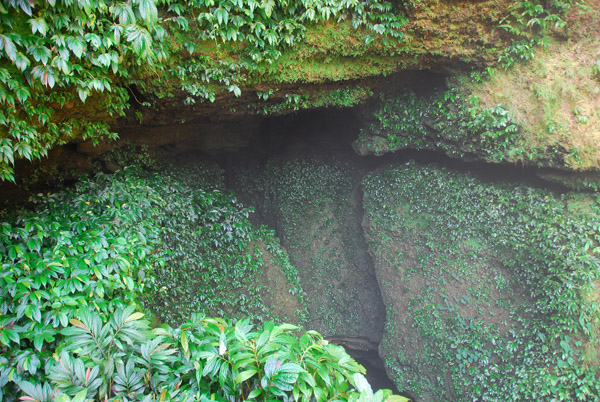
x=436 y=36
x=554 y=97
x=543 y=111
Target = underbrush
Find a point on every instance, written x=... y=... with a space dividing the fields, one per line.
x=80 y=270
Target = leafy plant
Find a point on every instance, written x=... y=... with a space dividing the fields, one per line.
x=309 y=200
x=529 y=21
x=497 y=282
x=60 y=55
x=449 y=120
x=72 y=267
x=90 y=245
x=205 y=359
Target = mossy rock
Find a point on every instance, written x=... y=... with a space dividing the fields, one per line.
x=487 y=286
x=217 y=261
x=314 y=207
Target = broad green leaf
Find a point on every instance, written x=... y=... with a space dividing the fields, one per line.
x=81 y=396
x=76 y=45
x=268 y=6
x=244 y=375
x=148 y=11
x=38 y=25
x=8 y=46
x=397 y=398
x=221 y=15
x=185 y=345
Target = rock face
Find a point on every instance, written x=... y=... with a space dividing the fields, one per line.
x=314 y=208
x=543 y=112
x=216 y=261
x=329 y=60
x=479 y=283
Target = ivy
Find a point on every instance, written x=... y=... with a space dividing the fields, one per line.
x=54 y=55
x=498 y=283
x=450 y=121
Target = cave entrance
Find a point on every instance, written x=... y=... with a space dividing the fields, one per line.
x=375 y=367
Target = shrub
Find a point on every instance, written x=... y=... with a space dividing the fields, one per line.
x=205 y=359
x=74 y=274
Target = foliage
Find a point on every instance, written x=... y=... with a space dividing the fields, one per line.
x=205 y=359
x=557 y=116
x=499 y=284
x=213 y=255
x=83 y=256
x=346 y=97
x=455 y=121
x=56 y=54
x=89 y=246
x=448 y=121
x=529 y=21
x=310 y=202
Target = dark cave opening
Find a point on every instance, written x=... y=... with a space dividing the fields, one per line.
x=329 y=134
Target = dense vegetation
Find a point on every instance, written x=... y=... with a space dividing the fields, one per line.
x=448 y=121
x=106 y=289
x=56 y=54
x=491 y=289
x=489 y=114
x=310 y=203
x=81 y=268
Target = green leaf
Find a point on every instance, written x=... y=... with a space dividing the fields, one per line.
x=148 y=11
x=129 y=282
x=124 y=13
x=38 y=25
x=284 y=381
x=38 y=342
x=291 y=368
x=83 y=93
x=134 y=317
x=236 y=90
x=140 y=40
x=81 y=396
x=22 y=62
x=76 y=45
x=396 y=398
x=9 y=47
x=267 y=6
x=34 y=244
x=244 y=375
x=185 y=345
x=361 y=384
x=39 y=53
x=221 y=15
